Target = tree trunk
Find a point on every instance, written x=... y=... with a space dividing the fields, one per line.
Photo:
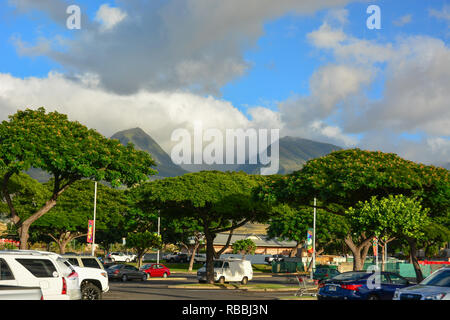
x=359 y=252
x=294 y=251
x=25 y=226
x=413 y=257
x=225 y=247
x=210 y=254
x=196 y=245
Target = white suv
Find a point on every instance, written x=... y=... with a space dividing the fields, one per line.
x=121 y=257
x=47 y=270
x=93 y=278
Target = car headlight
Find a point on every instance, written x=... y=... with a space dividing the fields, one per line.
x=438 y=296
x=396 y=294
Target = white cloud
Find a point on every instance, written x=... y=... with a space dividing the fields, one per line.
x=156 y=113
x=170 y=45
x=403 y=20
x=109 y=17
x=443 y=14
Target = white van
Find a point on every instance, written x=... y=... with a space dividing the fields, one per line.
x=46 y=270
x=229 y=270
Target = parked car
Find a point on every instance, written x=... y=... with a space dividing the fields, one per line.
x=55 y=276
x=360 y=285
x=92 y=276
x=125 y=272
x=156 y=270
x=227 y=270
x=20 y=293
x=84 y=261
x=199 y=258
x=275 y=257
x=435 y=287
x=178 y=258
x=322 y=274
x=120 y=257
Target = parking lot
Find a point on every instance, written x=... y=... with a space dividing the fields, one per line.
x=165 y=289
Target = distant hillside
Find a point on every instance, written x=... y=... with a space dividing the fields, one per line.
x=142 y=141
x=294 y=152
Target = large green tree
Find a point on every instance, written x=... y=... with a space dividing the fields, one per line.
x=343 y=178
x=142 y=242
x=69 y=152
x=290 y=223
x=68 y=219
x=392 y=217
x=219 y=201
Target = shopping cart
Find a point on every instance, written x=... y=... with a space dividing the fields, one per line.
x=307 y=286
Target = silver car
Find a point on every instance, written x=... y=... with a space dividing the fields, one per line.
x=435 y=287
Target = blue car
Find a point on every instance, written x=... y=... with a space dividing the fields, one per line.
x=361 y=285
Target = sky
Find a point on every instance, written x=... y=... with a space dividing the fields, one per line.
x=311 y=68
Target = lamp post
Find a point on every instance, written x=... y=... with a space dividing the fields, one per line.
x=159 y=226
x=314 y=241
x=95 y=212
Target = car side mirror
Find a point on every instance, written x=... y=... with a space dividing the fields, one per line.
x=55 y=274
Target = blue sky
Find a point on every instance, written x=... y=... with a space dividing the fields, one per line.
x=270 y=63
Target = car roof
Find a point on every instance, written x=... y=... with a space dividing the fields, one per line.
x=29 y=253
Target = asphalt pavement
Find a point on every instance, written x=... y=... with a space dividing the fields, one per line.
x=158 y=289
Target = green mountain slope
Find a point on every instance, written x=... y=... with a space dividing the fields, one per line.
x=293 y=153
x=142 y=141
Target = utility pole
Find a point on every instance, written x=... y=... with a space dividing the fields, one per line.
x=95 y=212
x=314 y=241
x=159 y=226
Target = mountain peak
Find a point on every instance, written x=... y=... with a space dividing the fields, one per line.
x=142 y=141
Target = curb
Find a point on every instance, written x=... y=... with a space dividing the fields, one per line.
x=165 y=279
x=240 y=289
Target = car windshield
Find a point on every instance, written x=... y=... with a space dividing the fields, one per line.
x=350 y=276
x=440 y=278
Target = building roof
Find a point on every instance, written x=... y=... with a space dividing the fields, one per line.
x=259 y=239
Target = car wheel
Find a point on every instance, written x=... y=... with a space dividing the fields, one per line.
x=222 y=280
x=144 y=277
x=244 y=280
x=90 y=291
x=124 y=278
x=165 y=275
x=373 y=297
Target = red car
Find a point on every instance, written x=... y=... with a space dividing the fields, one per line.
x=156 y=270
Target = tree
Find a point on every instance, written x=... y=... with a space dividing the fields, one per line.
x=68 y=219
x=219 y=201
x=343 y=178
x=69 y=152
x=142 y=242
x=392 y=217
x=244 y=247
x=182 y=231
x=292 y=224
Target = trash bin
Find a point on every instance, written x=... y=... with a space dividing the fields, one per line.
x=276 y=266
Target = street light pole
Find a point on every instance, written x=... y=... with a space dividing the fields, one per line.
x=159 y=226
x=95 y=212
x=314 y=240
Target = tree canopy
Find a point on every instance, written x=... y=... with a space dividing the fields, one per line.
x=69 y=152
x=220 y=201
